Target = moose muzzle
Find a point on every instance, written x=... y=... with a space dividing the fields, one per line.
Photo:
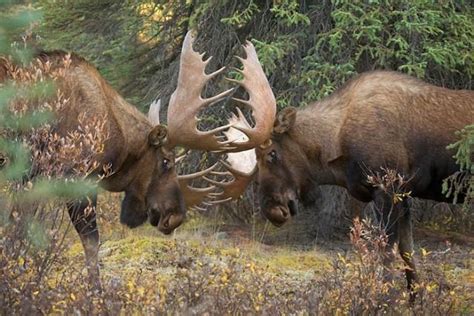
x=167 y=222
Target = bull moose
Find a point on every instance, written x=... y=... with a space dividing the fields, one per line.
x=139 y=152
x=141 y=162
x=378 y=119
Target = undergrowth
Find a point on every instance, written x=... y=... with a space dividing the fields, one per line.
x=149 y=275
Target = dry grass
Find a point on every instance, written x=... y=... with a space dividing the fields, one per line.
x=144 y=272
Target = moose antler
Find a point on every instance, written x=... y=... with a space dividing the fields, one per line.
x=194 y=197
x=154 y=112
x=186 y=102
x=261 y=101
x=240 y=165
x=240 y=138
x=233 y=189
x=245 y=161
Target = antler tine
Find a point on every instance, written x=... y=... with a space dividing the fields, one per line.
x=240 y=165
x=261 y=101
x=197 y=196
x=180 y=158
x=193 y=196
x=154 y=112
x=221 y=201
x=186 y=101
x=197 y=208
x=197 y=174
x=233 y=189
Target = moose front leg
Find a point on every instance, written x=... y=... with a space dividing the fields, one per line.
x=387 y=216
x=395 y=219
x=405 y=246
x=83 y=217
x=356 y=207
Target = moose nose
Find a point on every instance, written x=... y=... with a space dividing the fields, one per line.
x=170 y=222
x=278 y=215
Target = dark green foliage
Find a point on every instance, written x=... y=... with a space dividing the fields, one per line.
x=123 y=39
x=13 y=21
x=462 y=182
x=308 y=48
x=104 y=32
x=34 y=186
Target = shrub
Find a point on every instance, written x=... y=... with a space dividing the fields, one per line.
x=41 y=171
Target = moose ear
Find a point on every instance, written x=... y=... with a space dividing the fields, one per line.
x=285 y=120
x=158 y=136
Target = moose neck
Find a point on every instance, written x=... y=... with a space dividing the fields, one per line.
x=127 y=127
x=128 y=145
x=316 y=130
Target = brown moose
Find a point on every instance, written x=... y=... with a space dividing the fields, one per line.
x=141 y=162
x=378 y=119
x=139 y=152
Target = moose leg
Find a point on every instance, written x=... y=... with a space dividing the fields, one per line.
x=387 y=216
x=83 y=217
x=356 y=207
x=406 y=247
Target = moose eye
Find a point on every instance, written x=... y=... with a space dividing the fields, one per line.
x=166 y=163
x=272 y=156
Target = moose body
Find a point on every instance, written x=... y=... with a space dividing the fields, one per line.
x=378 y=119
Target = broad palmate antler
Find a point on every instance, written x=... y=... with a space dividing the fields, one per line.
x=186 y=102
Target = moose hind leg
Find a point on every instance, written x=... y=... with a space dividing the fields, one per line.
x=406 y=247
x=83 y=217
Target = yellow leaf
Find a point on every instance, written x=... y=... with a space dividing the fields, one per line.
x=224 y=278
x=424 y=253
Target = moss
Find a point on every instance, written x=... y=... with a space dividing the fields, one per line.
x=135 y=248
x=294 y=261
x=75 y=250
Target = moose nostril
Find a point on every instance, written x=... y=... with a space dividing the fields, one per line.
x=293 y=207
x=154 y=216
x=284 y=213
x=166 y=224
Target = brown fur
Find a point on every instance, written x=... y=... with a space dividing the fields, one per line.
x=378 y=119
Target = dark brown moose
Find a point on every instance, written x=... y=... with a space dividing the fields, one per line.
x=377 y=120
x=140 y=153
x=137 y=153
